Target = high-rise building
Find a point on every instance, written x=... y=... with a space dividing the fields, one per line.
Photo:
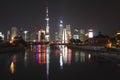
x=64 y=36
x=2 y=36
x=68 y=31
x=8 y=35
x=56 y=36
x=117 y=38
x=60 y=30
x=34 y=36
x=76 y=34
x=82 y=34
x=47 y=36
x=13 y=32
x=41 y=35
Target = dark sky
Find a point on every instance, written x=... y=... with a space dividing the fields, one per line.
x=101 y=15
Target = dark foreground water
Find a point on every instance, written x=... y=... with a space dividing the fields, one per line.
x=51 y=63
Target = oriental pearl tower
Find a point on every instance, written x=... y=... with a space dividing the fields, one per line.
x=47 y=36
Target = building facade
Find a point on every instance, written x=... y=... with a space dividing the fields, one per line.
x=60 y=34
x=14 y=32
x=68 y=32
x=41 y=35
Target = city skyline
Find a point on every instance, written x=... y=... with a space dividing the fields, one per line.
x=99 y=14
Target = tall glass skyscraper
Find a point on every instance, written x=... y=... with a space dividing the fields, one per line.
x=14 y=32
x=61 y=30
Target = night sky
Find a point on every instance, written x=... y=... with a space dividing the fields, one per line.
x=101 y=15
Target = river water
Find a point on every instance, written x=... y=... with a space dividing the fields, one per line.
x=42 y=62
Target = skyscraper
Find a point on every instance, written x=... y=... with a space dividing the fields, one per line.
x=82 y=35
x=41 y=35
x=2 y=36
x=64 y=36
x=68 y=31
x=60 y=30
x=13 y=32
x=56 y=36
x=8 y=35
x=76 y=34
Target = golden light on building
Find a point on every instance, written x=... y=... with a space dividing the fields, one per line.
x=117 y=37
x=13 y=32
x=11 y=41
x=118 y=33
x=109 y=44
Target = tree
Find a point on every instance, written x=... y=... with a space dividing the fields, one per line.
x=72 y=40
x=19 y=41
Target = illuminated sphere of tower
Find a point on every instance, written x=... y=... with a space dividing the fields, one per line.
x=47 y=19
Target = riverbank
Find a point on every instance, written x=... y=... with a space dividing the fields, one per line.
x=103 y=53
x=94 y=48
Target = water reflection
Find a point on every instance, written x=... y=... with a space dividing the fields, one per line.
x=41 y=54
x=82 y=56
x=43 y=57
x=12 y=67
x=61 y=60
x=65 y=55
x=43 y=62
x=48 y=61
x=26 y=58
x=76 y=56
x=12 y=64
x=89 y=56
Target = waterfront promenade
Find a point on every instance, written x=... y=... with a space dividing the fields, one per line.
x=94 y=48
x=112 y=54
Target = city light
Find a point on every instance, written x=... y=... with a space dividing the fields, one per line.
x=90 y=34
x=1 y=35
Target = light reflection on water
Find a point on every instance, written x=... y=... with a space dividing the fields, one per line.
x=66 y=56
x=48 y=63
x=26 y=58
x=12 y=67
